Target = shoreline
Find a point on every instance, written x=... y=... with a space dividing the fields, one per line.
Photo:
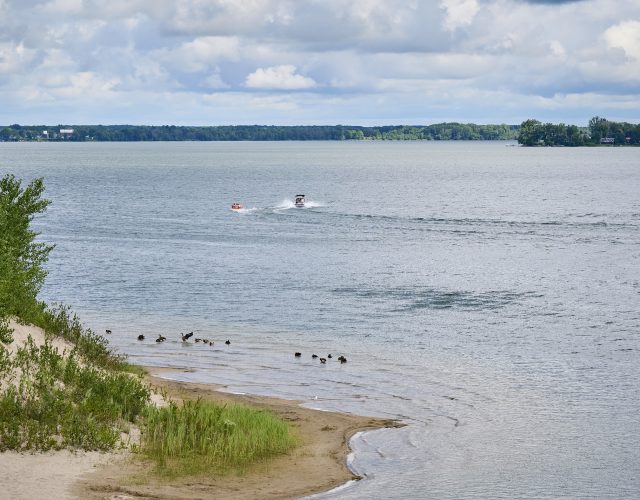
x=317 y=465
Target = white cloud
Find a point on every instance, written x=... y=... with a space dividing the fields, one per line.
x=215 y=81
x=557 y=49
x=410 y=57
x=459 y=12
x=200 y=54
x=86 y=83
x=63 y=6
x=279 y=77
x=626 y=36
x=15 y=57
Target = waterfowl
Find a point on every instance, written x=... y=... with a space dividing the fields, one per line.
x=297 y=354
x=314 y=356
x=323 y=360
x=108 y=332
x=228 y=342
x=210 y=343
x=329 y=356
x=342 y=359
x=186 y=336
x=141 y=337
x=161 y=338
x=197 y=340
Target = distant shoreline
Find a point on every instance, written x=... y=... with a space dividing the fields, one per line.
x=599 y=132
x=148 y=133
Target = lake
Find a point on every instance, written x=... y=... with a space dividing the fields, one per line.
x=486 y=295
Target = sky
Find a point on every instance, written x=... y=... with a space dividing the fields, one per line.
x=324 y=62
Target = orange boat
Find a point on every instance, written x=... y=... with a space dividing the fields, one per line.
x=236 y=206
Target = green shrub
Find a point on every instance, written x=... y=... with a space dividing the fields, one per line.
x=22 y=259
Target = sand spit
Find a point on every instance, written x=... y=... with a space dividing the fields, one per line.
x=319 y=464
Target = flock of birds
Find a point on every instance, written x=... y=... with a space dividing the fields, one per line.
x=342 y=359
x=187 y=336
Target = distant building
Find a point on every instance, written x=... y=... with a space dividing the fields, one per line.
x=607 y=140
x=66 y=132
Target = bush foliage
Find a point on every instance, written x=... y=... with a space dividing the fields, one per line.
x=600 y=130
x=22 y=258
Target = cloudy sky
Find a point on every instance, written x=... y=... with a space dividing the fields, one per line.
x=366 y=62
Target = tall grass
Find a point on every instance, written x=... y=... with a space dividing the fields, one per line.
x=52 y=402
x=200 y=436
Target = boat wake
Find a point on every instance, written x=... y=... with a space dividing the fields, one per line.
x=288 y=204
x=245 y=210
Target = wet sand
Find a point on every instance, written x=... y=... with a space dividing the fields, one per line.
x=318 y=464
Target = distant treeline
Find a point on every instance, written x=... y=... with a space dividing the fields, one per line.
x=599 y=131
x=80 y=133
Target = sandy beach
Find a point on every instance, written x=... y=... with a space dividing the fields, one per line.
x=317 y=464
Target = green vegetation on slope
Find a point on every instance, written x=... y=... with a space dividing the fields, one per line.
x=47 y=400
x=53 y=402
x=86 y=398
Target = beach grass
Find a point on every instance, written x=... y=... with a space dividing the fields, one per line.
x=60 y=321
x=199 y=436
x=52 y=401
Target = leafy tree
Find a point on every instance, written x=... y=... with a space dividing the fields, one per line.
x=599 y=128
x=531 y=133
x=574 y=137
x=21 y=257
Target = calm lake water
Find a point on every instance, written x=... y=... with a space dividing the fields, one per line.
x=488 y=296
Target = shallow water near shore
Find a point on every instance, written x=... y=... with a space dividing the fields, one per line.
x=486 y=295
